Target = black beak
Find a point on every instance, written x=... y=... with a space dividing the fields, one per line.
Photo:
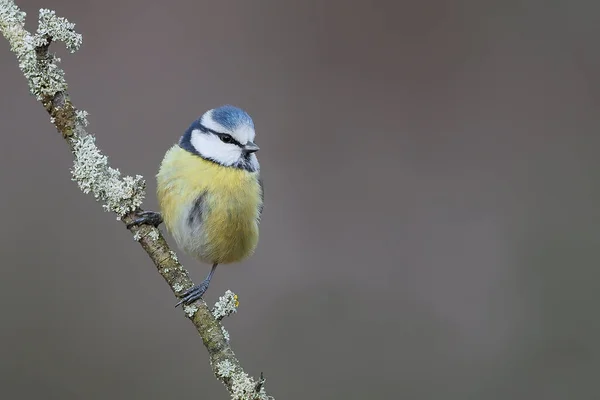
x=250 y=147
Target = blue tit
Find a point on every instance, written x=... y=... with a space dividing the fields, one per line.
x=210 y=192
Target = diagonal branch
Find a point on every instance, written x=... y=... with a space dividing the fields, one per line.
x=121 y=195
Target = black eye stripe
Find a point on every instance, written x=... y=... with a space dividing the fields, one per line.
x=220 y=135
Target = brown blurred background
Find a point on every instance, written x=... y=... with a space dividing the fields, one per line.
x=432 y=216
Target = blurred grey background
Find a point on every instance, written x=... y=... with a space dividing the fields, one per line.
x=432 y=214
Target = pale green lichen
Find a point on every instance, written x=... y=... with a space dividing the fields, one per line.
x=227 y=304
x=81 y=116
x=154 y=234
x=242 y=386
x=190 y=310
x=137 y=236
x=91 y=170
x=225 y=333
x=178 y=287
x=43 y=75
x=81 y=122
x=58 y=28
x=225 y=369
x=173 y=255
x=93 y=175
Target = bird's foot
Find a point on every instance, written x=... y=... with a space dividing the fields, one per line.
x=147 y=218
x=193 y=294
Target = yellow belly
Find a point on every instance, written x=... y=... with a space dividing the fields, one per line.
x=225 y=228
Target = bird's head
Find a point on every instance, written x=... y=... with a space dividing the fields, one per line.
x=224 y=135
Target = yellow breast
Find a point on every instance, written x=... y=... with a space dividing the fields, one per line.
x=221 y=227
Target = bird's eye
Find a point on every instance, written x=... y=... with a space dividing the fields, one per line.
x=226 y=138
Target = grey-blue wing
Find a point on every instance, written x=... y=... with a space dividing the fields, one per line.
x=195 y=216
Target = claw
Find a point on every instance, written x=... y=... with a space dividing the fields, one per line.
x=147 y=218
x=197 y=291
x=193 y=294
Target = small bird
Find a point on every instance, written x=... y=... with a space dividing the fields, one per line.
x=210 y=192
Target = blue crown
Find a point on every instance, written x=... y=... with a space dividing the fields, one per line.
x=231 y=117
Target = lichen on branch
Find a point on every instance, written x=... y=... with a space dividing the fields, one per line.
x=57 y=28
x=43 y=75
x=93 y=174
x=91 y=171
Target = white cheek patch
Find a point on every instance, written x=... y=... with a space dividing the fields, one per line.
x=210 y=146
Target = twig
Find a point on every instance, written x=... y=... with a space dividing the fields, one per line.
x=121 y=195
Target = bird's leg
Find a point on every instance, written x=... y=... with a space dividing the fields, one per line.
x=147 y=218
x=197 y=291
